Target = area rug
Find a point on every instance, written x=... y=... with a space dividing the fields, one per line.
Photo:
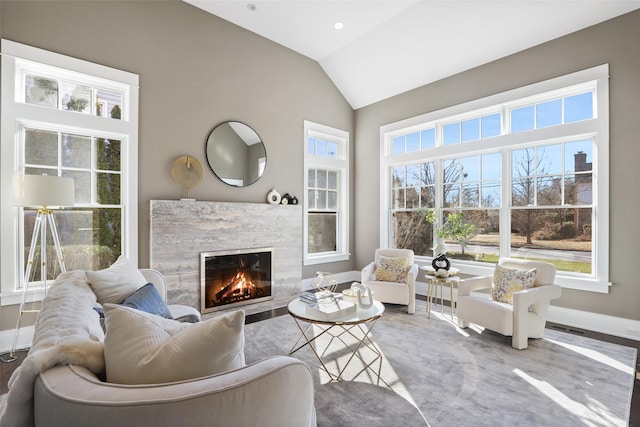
x=439 y=375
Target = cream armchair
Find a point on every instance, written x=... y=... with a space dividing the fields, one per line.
x=524 y=319
x=393 y=292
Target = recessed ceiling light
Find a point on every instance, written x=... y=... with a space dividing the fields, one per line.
x=338 y=25
x=252 y=7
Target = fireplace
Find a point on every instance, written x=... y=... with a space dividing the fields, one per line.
x=234 y=278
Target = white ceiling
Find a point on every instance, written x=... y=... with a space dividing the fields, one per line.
x=389 y=47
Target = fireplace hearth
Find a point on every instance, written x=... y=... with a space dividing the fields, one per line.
x=234 y=278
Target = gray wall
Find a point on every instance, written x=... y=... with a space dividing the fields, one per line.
x=616 y=42
x=196 y=71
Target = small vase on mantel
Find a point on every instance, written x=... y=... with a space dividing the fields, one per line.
x=440 y=248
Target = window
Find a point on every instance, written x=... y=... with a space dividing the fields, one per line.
x=326 y=183
x=516 y=170
x=66 y=117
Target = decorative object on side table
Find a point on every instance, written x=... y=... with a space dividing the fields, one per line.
x=187 y=172
x=42 y=192
x=441 y=266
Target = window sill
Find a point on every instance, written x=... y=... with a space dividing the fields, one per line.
x=324 y=259
x=15 y=297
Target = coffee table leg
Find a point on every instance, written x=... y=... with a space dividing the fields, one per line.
x=364 y=340
x=308 y=342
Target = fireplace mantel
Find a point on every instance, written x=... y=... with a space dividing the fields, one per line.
x=182 y=229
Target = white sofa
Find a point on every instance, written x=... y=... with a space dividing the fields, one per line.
x=276 y=391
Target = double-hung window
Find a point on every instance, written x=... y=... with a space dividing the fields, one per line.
x=326 y=183
x=65 y=117
x=519 y=174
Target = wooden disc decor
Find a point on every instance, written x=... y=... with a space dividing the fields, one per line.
x=187 y=172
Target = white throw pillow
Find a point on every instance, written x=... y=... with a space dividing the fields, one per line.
x=114 y=284
x=142 y=348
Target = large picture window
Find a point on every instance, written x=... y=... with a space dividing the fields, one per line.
x=66 y=117
x=513 y=175
x=326 y=228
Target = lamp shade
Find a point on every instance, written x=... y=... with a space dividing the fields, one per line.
x=43 y=190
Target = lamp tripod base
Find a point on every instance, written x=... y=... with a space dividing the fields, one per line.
x=39 y=230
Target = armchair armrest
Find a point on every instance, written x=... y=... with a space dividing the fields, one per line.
x=522 y=300
x=367 y=271
x=538 y=299
x=412 y=274
x=466 y=286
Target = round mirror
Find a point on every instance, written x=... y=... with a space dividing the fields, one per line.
x=236 y=154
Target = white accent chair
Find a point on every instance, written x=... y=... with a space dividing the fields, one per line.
x=392 y=292
x=524 y=319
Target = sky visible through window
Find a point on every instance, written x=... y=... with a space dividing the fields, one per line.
x=539 y=115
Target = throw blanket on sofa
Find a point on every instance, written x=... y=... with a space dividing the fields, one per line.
x=67 y=332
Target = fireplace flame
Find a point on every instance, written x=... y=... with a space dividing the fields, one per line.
x=238 y=288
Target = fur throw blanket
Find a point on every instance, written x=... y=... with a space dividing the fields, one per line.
x=67 y=332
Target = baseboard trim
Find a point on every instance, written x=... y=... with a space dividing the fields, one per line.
x=596 y=322
x=25 y=338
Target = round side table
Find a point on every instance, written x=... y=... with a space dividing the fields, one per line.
x=433 y=283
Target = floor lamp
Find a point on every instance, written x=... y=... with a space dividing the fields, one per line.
x=42 y=192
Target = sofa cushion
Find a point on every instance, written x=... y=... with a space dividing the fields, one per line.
x=392 y=269
x=148 y=299
x=142 y=348
x=114 y=284
x=506 y=281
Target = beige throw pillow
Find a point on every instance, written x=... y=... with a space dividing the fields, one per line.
x=392 y=270
x=142 y=348
x=506 y=281
x=114 y=284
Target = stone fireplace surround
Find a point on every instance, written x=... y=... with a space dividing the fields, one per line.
x=182 y=229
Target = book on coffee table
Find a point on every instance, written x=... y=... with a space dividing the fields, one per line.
x=329 y=308
x=314 y=297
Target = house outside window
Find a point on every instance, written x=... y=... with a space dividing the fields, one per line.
x=326 y=228
x=65 y=117
x=515 y=172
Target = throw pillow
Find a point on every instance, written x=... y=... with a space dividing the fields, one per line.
x=142 y=348
x=148 y=299
x=114 y=284
x=506 y=281
x=392 y=270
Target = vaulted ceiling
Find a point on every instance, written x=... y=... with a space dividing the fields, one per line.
x=387 y=47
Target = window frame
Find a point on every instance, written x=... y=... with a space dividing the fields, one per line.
x=17 y=59
x=595 y=78
x=341 y=165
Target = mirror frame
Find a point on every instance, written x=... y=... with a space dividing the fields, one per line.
x=222 y=147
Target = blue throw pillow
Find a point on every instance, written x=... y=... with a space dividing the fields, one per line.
x=149 y=300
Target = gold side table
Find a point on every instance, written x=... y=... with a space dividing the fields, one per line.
x=433 y=283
